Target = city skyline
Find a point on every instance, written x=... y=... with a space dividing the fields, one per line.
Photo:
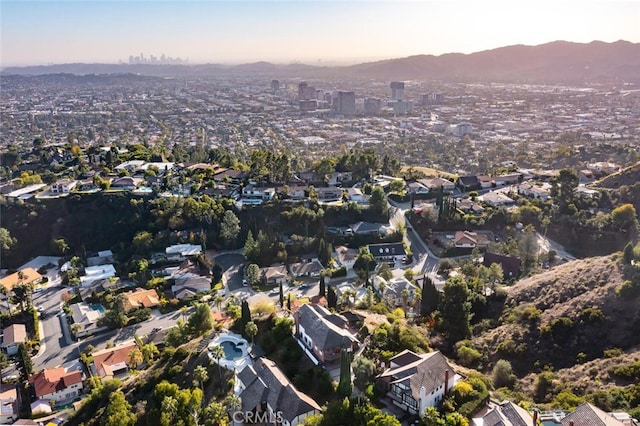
x=327 y=32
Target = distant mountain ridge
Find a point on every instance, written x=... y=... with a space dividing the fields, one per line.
x=555 y=62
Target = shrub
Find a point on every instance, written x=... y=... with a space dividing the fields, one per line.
x=468 y=357
x=613 y=352
x=543 y=385
x=629 y=372
x=502 y=374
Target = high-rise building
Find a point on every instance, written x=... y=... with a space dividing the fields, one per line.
x=372 y=106
x=302 y=91
x=344 y=103
x=275 y=86
x=397 y=90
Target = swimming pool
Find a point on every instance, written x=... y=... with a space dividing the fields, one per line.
x=97 y=307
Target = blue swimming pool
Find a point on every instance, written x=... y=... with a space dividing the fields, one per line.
x=231 y=350
x=98 y=307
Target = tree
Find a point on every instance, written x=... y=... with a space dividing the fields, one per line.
x=200 y=375
x=455 y=309
x=627 y=254
x=378 y=204
x=396 y=185
x=60 y=246
x=384 y=271
x=215 y=414
x=502 y=374
x=118 y=411
x=281 y=295
x=563 y=189
x=233 y=403
x=6 y=240
x=251 y=329
x=332 y=298
x=134 y=358
x=344 y=386
x=250 y=247
x=364 y=371
x=322 y=291
x=149 y=352
x=528 y=245
x=24 y=363
x=364 y=264
x=142 y=242
x=289 y=302
x=21 y=293
x=429 y=297
x=252 y=272
x=625 y=218
x=217 y=352
x=496 y=275
x=324 y=253
x=229 y=228
x=245 y=317
x=201 y=320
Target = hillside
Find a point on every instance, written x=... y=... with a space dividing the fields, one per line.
x=627 y=176
x=559 y=62
x=567 y=315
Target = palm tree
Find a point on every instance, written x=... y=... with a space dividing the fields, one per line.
x=217 y=300
x=149 y=352
x=183 y=311
x=346 y=296
x=134 y=358
x=217 y=353
x=201 y=375
x=233 y=403
x=405 y=297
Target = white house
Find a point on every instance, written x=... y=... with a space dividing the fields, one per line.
x=417 y=381
x=56 y=384
x=97 y=273
x=85 y=318
x=63 y=186
x=346 y=256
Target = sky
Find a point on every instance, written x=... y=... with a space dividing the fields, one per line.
x=307 y=31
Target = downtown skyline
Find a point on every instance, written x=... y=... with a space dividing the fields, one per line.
x=313 y=32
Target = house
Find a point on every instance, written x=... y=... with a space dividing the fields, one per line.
x=298 y=192
x=337 y=178
x=188 y=269
x=469 y=206
x=346 y=256
x=496 y=199
x=183 y=250
x=306 y=269
x=274 y=275
x=322 y=333
x=329 y=194
x=23 y=276
x=355 y=195
x=434 y=184
x=508 y=179
x=417 y=188
x=140 y=298
x=103 y=257
x=57 y=384
x=486 y=181
x=469 y=239
x=253 y=191
x=368 y=228
x=113 y=362
x=392 y=291
x=510 y=264
x=12 y=336
x=63 y=186
x=85 y=318
x=234 y=176
x=387 y=252
x=505 y=413
x=8 y=407
x=417 y=381
x=468 y=183
x=535 y=190
x=125 y=183
x=223 y=191
x=187 y=287
x=97 y=273
x=267 y=393
x=589 y=415
x=603 y=168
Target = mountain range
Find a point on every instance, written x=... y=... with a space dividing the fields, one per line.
x=558 y=62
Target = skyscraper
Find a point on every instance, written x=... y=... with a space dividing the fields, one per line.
x=397 y=90
x=344 y=103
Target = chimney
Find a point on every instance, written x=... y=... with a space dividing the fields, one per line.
x=535 y=417
x=446 y=382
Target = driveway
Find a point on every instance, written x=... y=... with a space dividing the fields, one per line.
x=232 y=264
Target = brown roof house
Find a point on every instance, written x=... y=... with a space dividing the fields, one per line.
x=112 y=363
x=8 y=404
x=417 y=381
x=267 y=394
x=140 y=298
x=12 y=336
x=275 y=275
x=24 y=276
x=57 y=384
x=322 y=333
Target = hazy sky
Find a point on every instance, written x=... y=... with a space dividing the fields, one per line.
x=41 y=32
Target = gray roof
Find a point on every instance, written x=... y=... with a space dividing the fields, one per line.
x=323 y=327
x=303 y=268
x=419 y=370
x=265 y=382
x=507 y=414
x=589 y=415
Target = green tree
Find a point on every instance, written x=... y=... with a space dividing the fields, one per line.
x=502 y=374
x=245 y=317
x=384 y=271
x=24 y=363
x=142 y=242
x=281 y=295
x=528 y=245
x=345 y=386
x=378 y=204
x=149 y=352
x=627 y=254
x=6 y=240
x=364 y=371
x=322 y=291
x=455 y=309
x=215 y=414
x=364 y=264
x=59 y=246
x=252 y=272
x=429 y=297
x=229 y=228
x=251 y=329
x=22 y=293
x=324 y=253
x=250 y=247
x=134 y=358
x=217 y=352
x=563 y=189
x=201 y=320
x=625 y=218
x=332 y=298
x=200 y=375
x=118 y=411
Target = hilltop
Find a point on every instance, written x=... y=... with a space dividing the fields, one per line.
x=558 y=62
x=570 y=315
x=623 y=186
